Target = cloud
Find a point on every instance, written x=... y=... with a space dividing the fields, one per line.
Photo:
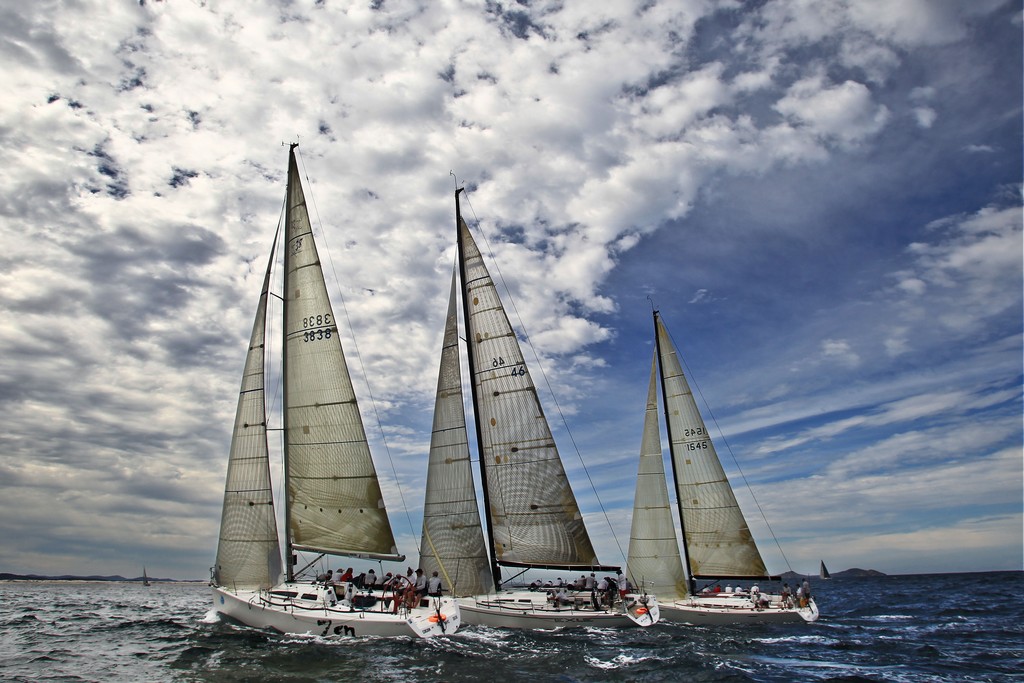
x=844 y=113
x=143 y=174
x=840 y=350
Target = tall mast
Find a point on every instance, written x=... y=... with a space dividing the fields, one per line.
x=691 y=582
x=470 y=355
x=293 y=177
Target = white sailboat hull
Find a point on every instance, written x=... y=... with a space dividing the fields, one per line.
x=533 y=610
x=718 y=611
x=269 y=610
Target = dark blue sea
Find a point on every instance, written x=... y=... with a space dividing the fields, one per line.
x=944 y=627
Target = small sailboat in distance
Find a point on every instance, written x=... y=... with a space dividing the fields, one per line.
x=823 y=571
x=145 y=579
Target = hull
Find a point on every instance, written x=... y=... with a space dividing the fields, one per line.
x=702 y=611
x=533 y=610
x=317 y=610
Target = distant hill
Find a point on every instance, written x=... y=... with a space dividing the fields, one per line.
x=858 y=572
x=69 y=577
x=845 y=574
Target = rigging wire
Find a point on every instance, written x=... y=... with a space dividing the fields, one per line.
x=359 y=356
x=728 y=446
x=547 y=382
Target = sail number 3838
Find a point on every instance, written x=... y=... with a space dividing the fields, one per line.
x=316 y=327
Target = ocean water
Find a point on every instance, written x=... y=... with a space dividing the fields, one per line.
x=944 y=627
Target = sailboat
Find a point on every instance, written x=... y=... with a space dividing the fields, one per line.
x=823 y=571
x=716 y=542
x=332 y=498
x=533 y=520
x=145 y=579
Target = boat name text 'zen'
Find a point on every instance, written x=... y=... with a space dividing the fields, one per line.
x=340 y=630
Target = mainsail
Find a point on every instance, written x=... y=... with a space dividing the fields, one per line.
x=248 y=552
x=334 y=502
x=453 y=541
x=716 y=538
x=654 y=560
x=532 y=514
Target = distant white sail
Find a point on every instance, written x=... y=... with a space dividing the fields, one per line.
x=248 y=552
x=334 y=498
x=534 y=518
x=453 y=540
x=718 y=542
x=654 y=559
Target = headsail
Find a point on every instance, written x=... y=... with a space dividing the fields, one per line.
x=248 y=552
x=716 y=538
x=653 y=549
x=534 y=520
x=334 y=500
x=453 y=540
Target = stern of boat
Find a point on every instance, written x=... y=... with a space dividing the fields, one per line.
x=443 y=617
x=810 y=612
x=642 y=610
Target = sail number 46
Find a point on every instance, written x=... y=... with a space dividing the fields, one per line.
x=316 y=327
x=518 y=370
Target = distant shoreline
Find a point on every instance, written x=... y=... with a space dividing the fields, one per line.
x=68 y=578
x=161 y=582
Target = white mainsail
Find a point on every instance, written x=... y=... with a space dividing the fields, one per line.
x=717 y=540
x=534 y=519
x=453 y=540
x=334 y=502
x=248 y=551
x=654 y=560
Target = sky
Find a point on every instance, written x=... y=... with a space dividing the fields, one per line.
x=823 y=198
